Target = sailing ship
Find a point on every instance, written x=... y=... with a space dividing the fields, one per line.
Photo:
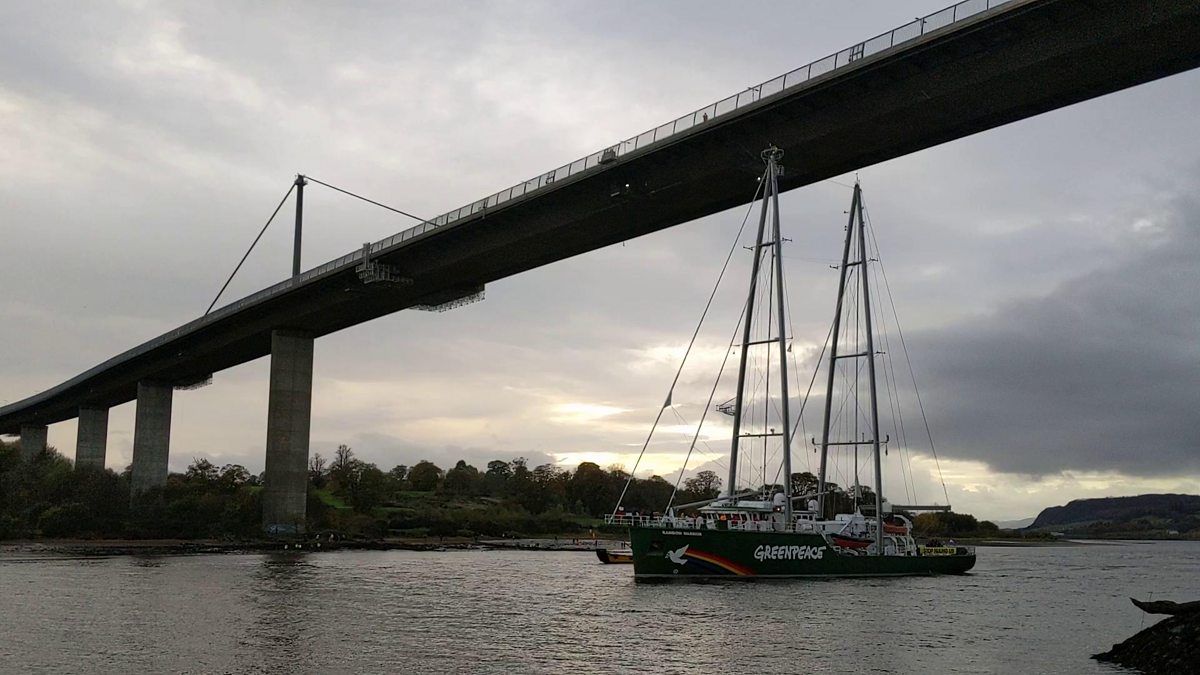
x=771 y=531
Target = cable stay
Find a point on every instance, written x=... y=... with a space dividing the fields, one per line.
x=369 y=271
x=252 y=245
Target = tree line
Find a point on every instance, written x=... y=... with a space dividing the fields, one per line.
x=49 y=497
x=588 y=490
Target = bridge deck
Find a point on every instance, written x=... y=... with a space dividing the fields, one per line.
x=963 y=70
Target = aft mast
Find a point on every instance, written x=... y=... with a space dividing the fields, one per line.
x=855 y=227
x=870 y=356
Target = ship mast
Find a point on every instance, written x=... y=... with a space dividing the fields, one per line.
x=855 y=226
x=770 y=206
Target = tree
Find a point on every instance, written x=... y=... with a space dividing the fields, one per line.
x=654 y=493
x=705 y=485
x=804 y=483
x=949 y=524
x=201 y=471
x=367 y=486
x=590 y=487
x=495 y=479
x=343 y=460
x=316 y=470
x=463 y=479
x=233 y=476
x=553 y=481
x=397 y=478
x=539 y=490
x=425 y=476
x=499 y=468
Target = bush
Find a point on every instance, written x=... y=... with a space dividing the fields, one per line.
x=67 y=520
x=11 y=527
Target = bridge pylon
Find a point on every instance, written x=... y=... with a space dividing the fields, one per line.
x=289 y=421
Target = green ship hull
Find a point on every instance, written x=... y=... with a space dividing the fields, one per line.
x=660 y=553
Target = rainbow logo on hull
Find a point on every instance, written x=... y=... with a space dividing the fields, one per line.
x=706 y=563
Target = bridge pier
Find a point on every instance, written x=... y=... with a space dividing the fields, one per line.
x=91 y=443
x=289 y=417
x=33 y=440
x=151 y=436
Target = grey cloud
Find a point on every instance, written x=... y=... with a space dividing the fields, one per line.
x=1100 y=374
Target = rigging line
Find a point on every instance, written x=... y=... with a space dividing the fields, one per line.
x=684 y=422
x=808 y=393
x=707 y=406
x=892 y=385
x=911 y=372
x=904 y=449
x=804 y=402
x=860 y=415
x=891 y=391
x=707 y=306
x=260 y=234
x=369 y=201
x=712 y=456
x=796 y=369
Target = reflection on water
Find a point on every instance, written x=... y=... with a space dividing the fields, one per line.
x=1024 y=610
x=282 y=598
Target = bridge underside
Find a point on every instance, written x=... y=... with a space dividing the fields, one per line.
x=1034 y=56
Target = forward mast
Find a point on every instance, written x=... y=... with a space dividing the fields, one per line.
x=770 y=209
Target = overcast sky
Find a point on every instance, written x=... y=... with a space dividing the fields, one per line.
x=1044 y=272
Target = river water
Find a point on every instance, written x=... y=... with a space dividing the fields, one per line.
x=1023 y=610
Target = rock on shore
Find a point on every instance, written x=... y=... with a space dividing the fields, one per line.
x=1169 y=646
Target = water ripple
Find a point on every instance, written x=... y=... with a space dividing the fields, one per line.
x=1027 y=610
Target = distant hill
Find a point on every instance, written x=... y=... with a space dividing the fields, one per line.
x=1014 y=524
x=1150 y=515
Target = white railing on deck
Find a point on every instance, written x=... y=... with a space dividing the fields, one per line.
x=697 y=523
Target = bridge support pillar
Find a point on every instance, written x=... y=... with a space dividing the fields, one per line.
x=91 y=443
x=33 y=440
x=289 y=416
x=151 y=436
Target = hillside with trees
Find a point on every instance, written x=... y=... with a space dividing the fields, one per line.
x=1143 y=516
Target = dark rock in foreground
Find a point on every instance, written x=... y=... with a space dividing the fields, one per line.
x=1170 y=646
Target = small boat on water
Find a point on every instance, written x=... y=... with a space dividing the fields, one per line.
x=790 y=528
x=608 y=557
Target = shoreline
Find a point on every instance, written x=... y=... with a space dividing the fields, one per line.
x=98 y=548
x=88 y=548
